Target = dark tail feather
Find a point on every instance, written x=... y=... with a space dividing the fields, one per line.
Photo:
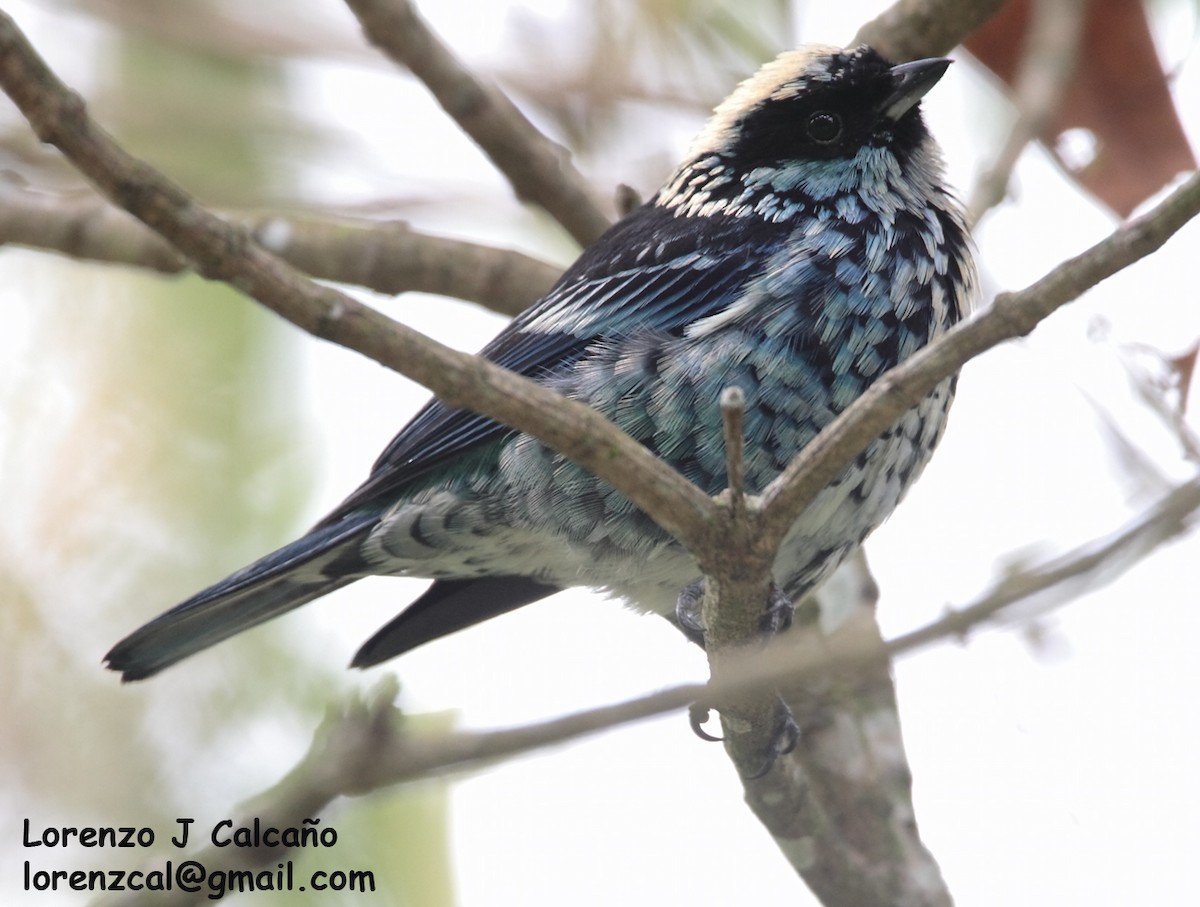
x=447 y=606
x=308 y=568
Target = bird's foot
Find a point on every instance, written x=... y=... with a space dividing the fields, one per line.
x=776 y=618
x=779 y=612
x=784 y=738
x=688 y=611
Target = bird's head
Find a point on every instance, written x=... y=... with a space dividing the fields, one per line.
x=821 y=102
x=812 y=123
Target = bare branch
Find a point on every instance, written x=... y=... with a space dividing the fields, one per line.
x=223 y=251
x=840 y=804
x=236 y=32
x=388 y=257
x=1087 y=567
x=801 y=664
x=912 y=29
x=393 y=258
x=539 y=170
x=1048 y=61
x=80 y=225
x=366 y=745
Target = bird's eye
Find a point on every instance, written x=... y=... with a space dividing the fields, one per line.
x=824 y=127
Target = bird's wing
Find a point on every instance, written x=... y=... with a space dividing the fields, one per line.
x=625 y=283
x=662 y=290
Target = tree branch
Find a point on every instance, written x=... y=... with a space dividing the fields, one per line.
x=810 y=809
x=1091 y=565
x=365 y=745
x=1010 y=315
x=804 y=664
x=1047 y=64
x=388 y=257
x=539 y=170
x=843 y=819
x=913 y=29
x=227 y=252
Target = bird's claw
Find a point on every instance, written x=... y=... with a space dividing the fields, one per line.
x=698 y=715
x=784 y=738
x=688 y=611
x=777 y=617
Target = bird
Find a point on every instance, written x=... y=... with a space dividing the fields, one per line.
x=806 y=244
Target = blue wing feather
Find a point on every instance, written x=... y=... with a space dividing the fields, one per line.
x=623 y=284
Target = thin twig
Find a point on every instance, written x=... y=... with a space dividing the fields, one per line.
x=539 y=170
x=1047 y=64
x=733 y=411
x=1089 y=566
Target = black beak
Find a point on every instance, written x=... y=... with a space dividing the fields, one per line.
x=910 y=82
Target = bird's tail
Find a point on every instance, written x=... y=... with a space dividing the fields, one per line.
x=308 y=568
